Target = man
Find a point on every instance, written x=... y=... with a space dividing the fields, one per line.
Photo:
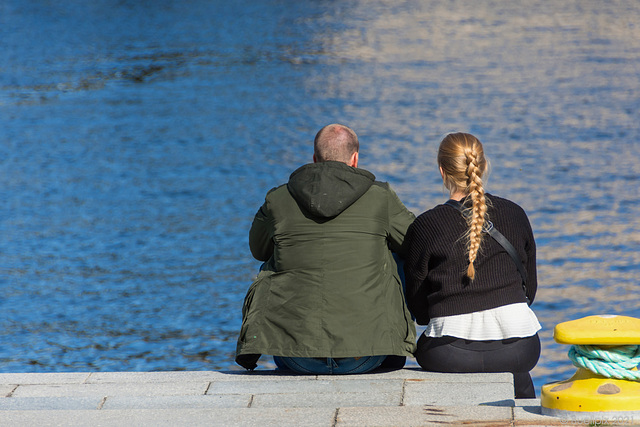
x=328 y=299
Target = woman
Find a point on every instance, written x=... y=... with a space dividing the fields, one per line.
x=463 y=284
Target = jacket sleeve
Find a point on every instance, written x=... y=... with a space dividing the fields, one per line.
x=416 y=269
x=400 y=218
x=532 y=275
x=260 y=235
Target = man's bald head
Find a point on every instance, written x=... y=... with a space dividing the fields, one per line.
x=336 y=142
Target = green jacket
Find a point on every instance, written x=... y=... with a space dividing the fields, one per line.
x=330 y=285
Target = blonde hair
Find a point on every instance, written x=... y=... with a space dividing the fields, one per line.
x=461 y=158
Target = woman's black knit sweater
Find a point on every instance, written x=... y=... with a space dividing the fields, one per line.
x=437 y=262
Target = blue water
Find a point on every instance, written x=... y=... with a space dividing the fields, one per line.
x=138 y=138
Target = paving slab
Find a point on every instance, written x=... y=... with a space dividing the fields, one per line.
x=44 y=378
x=223 y=417
x=111 y=389
x=177 y=402
x=451 y=392
x=530 y=415
x=261 y=375
x=154 y=377
x=50 y=403
x=325 y=400
x=419 y=374
x=277 y=386
x=7 y=389
x=406 y=416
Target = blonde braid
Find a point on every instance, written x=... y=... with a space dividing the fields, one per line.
x=477 y=218
x=462 y=161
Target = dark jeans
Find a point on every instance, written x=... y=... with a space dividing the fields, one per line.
x=339 y=366
x=456 y=355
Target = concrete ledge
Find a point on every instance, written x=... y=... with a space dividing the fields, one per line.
x=263 y=398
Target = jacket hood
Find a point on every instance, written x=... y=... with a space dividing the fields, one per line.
x=326 y=189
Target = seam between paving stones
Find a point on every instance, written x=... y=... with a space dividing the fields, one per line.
x=208 y=387
x=250 y=401
x=102 y=402
x=334 y=421
x=404 y=384
x=10 y=394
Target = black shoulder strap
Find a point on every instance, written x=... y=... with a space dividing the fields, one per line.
x=510 y=250
x=498 y=237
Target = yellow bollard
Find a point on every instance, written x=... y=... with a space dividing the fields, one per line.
x=594 y=396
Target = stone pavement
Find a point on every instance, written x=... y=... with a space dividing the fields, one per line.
x=408 y=397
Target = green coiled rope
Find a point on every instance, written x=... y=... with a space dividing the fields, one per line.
x=615 y=362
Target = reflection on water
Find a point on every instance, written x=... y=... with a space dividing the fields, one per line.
x=137 y=141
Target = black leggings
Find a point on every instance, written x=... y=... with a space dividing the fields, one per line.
x=457 y=355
